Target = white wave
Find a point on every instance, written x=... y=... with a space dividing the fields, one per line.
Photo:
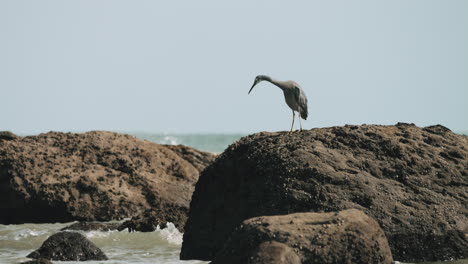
x=171 y=234
x=99 y=234
x=27 y=233
x=170 y=140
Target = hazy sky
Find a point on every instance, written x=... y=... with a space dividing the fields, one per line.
x=186 y=66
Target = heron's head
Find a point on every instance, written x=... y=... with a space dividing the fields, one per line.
x=258 y=79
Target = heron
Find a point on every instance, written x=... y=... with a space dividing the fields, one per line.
x=293 y=95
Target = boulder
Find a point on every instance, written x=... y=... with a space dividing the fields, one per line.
x=92 y=226
x=348 y=236
x=413 y=181
x=93 y=176
x=68 y=246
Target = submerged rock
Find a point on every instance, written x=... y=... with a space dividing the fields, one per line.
x=348 y=236
x=68 y=246
x=37 y=261
x=93 y=176
x=149 y=220
x=92 y=226
x=413 y=181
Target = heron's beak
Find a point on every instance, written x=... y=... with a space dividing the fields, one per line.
x=255 y=83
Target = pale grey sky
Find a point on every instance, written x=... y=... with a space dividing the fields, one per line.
x=186 y=66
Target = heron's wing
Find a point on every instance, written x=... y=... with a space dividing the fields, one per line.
x=302 y=100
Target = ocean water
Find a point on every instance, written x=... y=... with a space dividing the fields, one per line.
x=216 y=143
x=161 y=246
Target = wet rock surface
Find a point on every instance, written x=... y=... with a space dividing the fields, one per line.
x=413 y=181
x=68 y=246
x=93 y=176
x=348 y=236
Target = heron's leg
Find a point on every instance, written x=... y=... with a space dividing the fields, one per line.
x=292 y=125
x=300 y=124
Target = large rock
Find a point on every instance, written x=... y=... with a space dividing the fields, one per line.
x=348 y=236
x=68 y=246
x=93 y=176
x=412 y=180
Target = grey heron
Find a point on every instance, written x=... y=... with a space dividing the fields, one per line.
x=293 y=94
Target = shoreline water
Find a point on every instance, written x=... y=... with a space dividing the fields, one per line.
x=160 y=246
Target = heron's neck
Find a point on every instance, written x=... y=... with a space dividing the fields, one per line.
x=273 y=81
